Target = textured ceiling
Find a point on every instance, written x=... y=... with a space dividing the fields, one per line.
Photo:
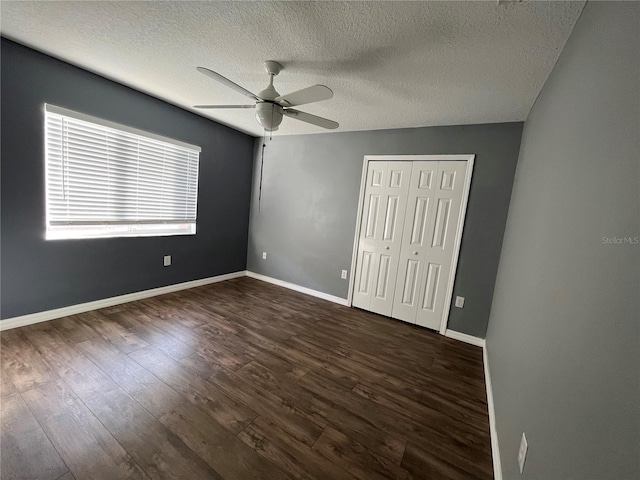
x=390 y=64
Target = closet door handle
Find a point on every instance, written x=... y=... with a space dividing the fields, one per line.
x=415 y=253
x=387 y=247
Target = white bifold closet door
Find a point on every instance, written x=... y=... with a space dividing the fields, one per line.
x=407 y=238
x=428 y=241
x=385 y=199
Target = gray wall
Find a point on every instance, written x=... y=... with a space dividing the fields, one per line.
x=564 y=339
x=38 y=275
x=309 y=205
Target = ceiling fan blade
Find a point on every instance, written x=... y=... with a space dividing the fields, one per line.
x=224 y=106
x=225 y=81
x=312 y=94
x=313 y=119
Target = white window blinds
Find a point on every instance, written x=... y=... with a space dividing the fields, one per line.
x=105 y=179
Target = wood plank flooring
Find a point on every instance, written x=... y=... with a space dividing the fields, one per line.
x=240 y=380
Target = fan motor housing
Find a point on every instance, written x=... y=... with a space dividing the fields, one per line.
x=269 y=115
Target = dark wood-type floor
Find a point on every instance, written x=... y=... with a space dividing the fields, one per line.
x=240 y=380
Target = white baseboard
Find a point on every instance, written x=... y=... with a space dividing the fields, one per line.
x=108 y=302
x=495 y=449
x=463 y=337
x=298 y=288
x=47 y=315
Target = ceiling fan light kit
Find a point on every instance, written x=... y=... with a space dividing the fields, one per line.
x=270 y=106
x=269 y=115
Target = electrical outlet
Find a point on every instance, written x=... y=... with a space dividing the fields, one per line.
x=344 y=274
x=459 y=302
x=264 y=255
x=522 y=452
x=167 y=260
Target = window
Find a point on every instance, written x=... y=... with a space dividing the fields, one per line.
x=108 y=180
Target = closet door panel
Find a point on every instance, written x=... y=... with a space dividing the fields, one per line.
x=415 y=237
x=369 y=230
x=391 y=218
x=440 y=235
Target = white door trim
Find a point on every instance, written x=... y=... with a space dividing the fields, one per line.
x=456 y=249
x=463 y=211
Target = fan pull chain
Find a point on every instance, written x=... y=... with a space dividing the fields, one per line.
x=271 y=131
x=264 y=144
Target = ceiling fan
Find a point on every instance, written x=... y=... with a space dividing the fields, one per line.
x=271 y=106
